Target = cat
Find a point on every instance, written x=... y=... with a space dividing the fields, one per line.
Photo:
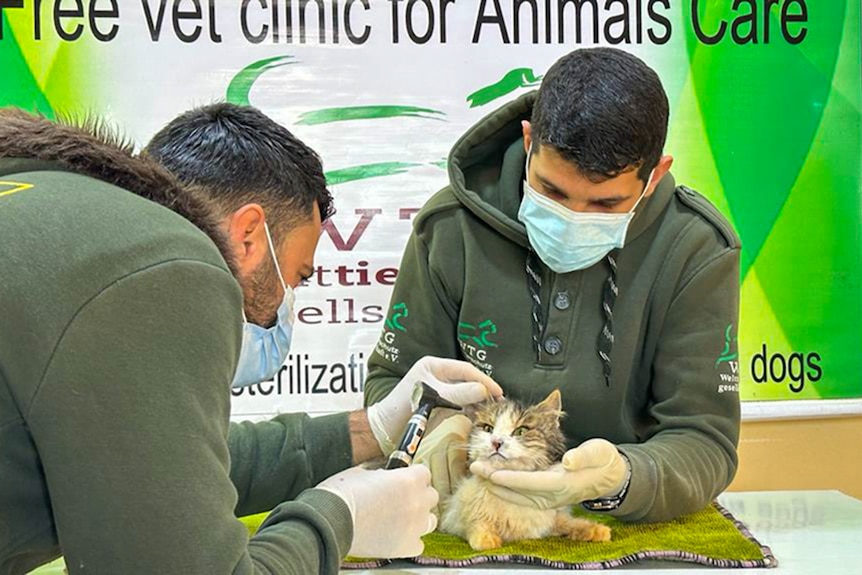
x=515 y=437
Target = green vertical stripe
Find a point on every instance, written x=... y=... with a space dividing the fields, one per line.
x=18 y=86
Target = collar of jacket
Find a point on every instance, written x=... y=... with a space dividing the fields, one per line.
x=22 y=165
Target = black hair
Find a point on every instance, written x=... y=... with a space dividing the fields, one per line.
x=604 y=110
x=237 y=155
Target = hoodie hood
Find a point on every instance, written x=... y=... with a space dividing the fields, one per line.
x=486 y=173
x=486 y=167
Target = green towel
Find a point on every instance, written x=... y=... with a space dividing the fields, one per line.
x=710 y=537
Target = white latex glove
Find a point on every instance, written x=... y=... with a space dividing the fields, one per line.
x=444 y=452
x=457 y=381
x=391 y=509
x=592 y=470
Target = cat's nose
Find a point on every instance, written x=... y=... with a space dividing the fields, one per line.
x=497 y=443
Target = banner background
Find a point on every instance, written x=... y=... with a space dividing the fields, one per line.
x=765 y=122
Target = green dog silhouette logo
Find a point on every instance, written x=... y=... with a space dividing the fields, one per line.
x=478 y=334
x=729 y=353
x=513 y=80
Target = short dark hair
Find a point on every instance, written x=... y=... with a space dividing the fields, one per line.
x=604 y=110
x=237 y=155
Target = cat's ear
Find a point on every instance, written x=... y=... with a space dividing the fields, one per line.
x=553 y=403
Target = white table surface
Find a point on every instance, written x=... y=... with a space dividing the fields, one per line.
x=809 y=532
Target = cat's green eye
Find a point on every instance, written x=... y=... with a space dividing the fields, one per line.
x=520 y=431
x=487 y=428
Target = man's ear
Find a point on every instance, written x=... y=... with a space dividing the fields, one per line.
x=527 y=131
x=662 y=168
x=247 y=237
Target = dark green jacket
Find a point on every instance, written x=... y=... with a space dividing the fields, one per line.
x=672 y=404
x=120 y=329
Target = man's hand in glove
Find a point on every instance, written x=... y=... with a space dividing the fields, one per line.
x=456 y=381
x=593 y=470
x=391 y=509
x=444 y=452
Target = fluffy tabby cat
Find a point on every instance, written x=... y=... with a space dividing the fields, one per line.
x=512 y=436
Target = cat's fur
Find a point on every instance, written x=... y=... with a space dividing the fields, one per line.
x=524 y=439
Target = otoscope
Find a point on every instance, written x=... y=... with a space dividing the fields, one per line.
x=423 y=400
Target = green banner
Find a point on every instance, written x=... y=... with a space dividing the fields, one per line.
x=765 y=121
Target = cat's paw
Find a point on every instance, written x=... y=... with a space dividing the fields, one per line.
x=482 y=540
x=593 y=532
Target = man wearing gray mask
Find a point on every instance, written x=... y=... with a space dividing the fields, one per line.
x=563 y=254
x=128 y=301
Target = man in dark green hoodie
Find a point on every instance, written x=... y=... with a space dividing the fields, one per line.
x=129 y=305
x=563 y=255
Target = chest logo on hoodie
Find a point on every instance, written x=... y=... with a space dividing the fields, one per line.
x=478 y=334
x=476 y=340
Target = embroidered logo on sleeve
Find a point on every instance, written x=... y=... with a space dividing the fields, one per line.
x=399 y=310
x=727 y=363
x=386 y=346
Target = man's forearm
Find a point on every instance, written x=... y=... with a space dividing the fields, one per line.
x=362 y=440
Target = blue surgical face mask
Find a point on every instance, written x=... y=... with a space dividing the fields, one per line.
x=264 y=349
x=567 y=240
